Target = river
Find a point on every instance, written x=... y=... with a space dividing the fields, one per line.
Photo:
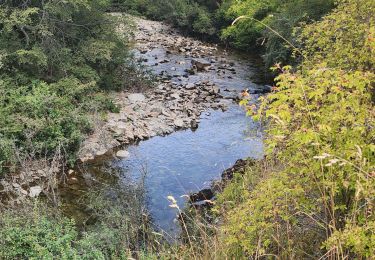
x=186 y=160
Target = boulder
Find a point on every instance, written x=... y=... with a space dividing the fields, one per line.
x=194 y=124
x=101 y=152
x=262 y=90
x=175 y=96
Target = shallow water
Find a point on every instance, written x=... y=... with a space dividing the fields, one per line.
x=187 y=160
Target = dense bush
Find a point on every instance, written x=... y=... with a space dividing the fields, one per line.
x=315 y=192
x=213 y=19
x=261 y=17
x=36 y=235
x=56 y=60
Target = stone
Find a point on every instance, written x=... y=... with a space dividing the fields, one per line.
x=157 y=109
x=175 y=96
x=194 y=124
x=205 y=194
x=200 y=64
x=239 y=167
x=35 y=191
x=87 y=157
x=190 y=86
x=101 y=152
x=122 y=154
x=214 y=90
x=225 y=102
x=136 y=97
x=178 y=122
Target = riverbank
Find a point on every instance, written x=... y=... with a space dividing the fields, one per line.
x=184 y=89
x=191 y=77
x=189 y=128
x=194 y=82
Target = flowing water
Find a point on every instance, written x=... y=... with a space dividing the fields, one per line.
x=187 y=160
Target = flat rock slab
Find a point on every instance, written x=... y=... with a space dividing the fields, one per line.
x=136 y=97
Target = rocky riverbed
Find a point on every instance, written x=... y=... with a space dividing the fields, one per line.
x=190 y=77
x=184 y=131
x=179 y=136
x=160 y=111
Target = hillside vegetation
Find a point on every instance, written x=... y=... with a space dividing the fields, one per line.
x=57 y=61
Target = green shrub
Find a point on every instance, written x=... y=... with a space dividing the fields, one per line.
x=35 y=235
x=319 y=197
x=57 y=61
x=284 y=17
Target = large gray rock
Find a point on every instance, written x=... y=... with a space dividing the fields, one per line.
x=136 y=97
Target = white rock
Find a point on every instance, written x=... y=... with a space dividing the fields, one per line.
x=35 y=191
x=136 y=97
x=16 y=185
x=122 y=154
x=101 y=152
x=178 y=122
